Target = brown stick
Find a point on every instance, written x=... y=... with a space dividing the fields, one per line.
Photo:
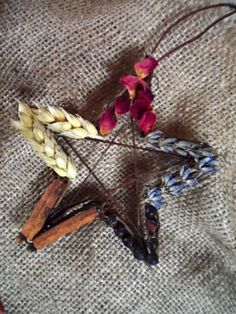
x=64 y=228
x=108 y=193
x=135 y=168
x=50 y=198
x=199 y=35
x=190 y=14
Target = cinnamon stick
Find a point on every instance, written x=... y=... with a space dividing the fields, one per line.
x=50 y=198
x=64 y=228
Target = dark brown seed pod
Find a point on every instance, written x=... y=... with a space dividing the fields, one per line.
x=138 y=247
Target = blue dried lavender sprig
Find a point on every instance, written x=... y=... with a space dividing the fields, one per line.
x=175 y=183
x=158 y=141
x=155 y=198
x=185 y=178
x=206 y=165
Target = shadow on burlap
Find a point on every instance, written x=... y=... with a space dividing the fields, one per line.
x=72 y=53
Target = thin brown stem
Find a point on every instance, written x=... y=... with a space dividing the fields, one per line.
x=135 y=168
x=57 y=213
x=85 y=163
x=99 y=160
x=106 y=191
x=182 y=18
x=195 y=37
x=150 y=150
x=122 y=145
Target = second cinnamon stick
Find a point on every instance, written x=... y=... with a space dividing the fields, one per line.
x=64 y=228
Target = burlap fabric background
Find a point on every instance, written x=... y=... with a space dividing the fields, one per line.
x=72 y=53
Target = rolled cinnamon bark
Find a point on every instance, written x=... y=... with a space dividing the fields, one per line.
x=64 y=228
x=50 y=198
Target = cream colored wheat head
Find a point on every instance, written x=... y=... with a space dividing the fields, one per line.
x=67 y=124
x=44 y=143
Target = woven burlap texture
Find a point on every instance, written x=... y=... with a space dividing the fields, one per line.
x=71 y=53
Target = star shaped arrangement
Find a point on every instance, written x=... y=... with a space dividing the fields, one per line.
x=52 y=218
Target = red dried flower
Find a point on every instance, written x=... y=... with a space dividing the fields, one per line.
x=145 y=67
x=139 y=107
x=141 y=93
x=130 y=82
x=138 y=102
x=122 y=105
x=107 y=121
x=147 y=121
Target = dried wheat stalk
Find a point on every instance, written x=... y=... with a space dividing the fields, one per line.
x=67 y=124
x=44 y=143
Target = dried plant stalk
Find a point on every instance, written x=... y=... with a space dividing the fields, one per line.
x=44 y=143
x=67 y=124
x=50 y=198
x=65 y=227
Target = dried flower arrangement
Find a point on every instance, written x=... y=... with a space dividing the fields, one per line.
x=48 y=222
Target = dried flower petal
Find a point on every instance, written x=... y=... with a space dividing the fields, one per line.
x=139 y=107
x=107 y=121
x=147 y=121
x=145 y=67
x=130 y=82
x=122 y=105
x=143 y=93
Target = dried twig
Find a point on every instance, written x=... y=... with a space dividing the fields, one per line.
x=229 y=5
x=135 y=169
x=60 y=211
x=107 y=191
